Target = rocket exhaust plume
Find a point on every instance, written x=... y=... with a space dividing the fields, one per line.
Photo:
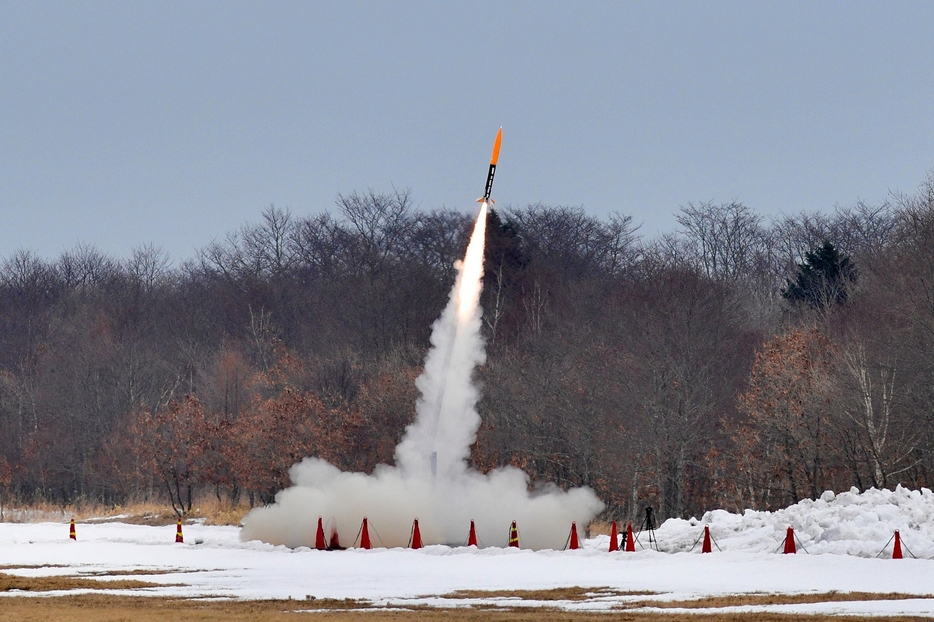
x=431 y=479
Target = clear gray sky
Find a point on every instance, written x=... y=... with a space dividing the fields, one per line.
x=174 y=122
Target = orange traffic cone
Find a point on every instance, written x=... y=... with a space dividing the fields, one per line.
x=573 y=542
x=514 y=535
x=630 y=540
x=897 y=551
x=334 y=543
x=320 y=544
x=790 y=542
x=365 y=535
x=178 y=532
x=71 y=531
x=706 y=548
x=472 y=536
x=416 y=536
x=614 y=538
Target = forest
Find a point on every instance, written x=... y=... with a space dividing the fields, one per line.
x=737 y=362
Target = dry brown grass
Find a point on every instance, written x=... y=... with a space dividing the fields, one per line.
x=227 y=515
x=30 y=566
x=108 y=608
x=130 y=573
x=213 y=512
x=561 y=593
x=9 y=582
x=600 y=528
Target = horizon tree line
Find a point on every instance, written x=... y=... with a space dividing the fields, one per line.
x=737 y=362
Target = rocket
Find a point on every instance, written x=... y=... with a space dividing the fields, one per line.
x=489 y=178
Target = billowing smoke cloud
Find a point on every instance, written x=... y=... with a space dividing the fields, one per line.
x=431 y=480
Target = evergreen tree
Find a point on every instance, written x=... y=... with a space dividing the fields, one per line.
x=823 y=279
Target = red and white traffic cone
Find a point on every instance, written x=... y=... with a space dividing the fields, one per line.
x=790 y=548
x=614 y=538
x=320 y=544
x=365 y=535
x=573 y=542
x=416 y=536
x=472 y=536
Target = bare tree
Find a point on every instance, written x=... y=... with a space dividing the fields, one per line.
x=268 y=247
x=725 y=240
x=148 y=265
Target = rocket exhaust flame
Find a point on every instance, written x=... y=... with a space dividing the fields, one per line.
x=431 y=479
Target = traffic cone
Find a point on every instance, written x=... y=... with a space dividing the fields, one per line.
x=365 y=535
x=320 y=544
x=897 y=551
x=71 y=531
x=513 y=536
x=706 y=548
x=630 y=540
x=614 y=538
x=573 y=543
x=334 y=543
x=790 y=542
x=472 y=536
x=416 y=536
x=178 y=532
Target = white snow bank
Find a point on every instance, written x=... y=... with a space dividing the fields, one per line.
x=850 y=523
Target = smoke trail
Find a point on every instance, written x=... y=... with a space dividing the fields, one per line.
x=432 y=480
x=446 y=419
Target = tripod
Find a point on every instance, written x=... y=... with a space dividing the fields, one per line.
x=648 y=524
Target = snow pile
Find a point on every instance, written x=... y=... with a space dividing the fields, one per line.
x=849 y=523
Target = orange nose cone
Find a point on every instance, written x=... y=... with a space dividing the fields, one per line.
x=499 y=139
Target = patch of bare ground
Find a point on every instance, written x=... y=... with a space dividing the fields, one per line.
x=9 y=582
x=99 y=573
x=151 y=519
x=560 y=593
x=737 y=600
x=131 y=573
x=108 y=608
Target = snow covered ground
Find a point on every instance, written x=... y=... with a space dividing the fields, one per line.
x=848 y=523
x=842 y=533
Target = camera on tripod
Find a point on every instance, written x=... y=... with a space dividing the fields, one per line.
x=648 y=526
x=650 y=519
